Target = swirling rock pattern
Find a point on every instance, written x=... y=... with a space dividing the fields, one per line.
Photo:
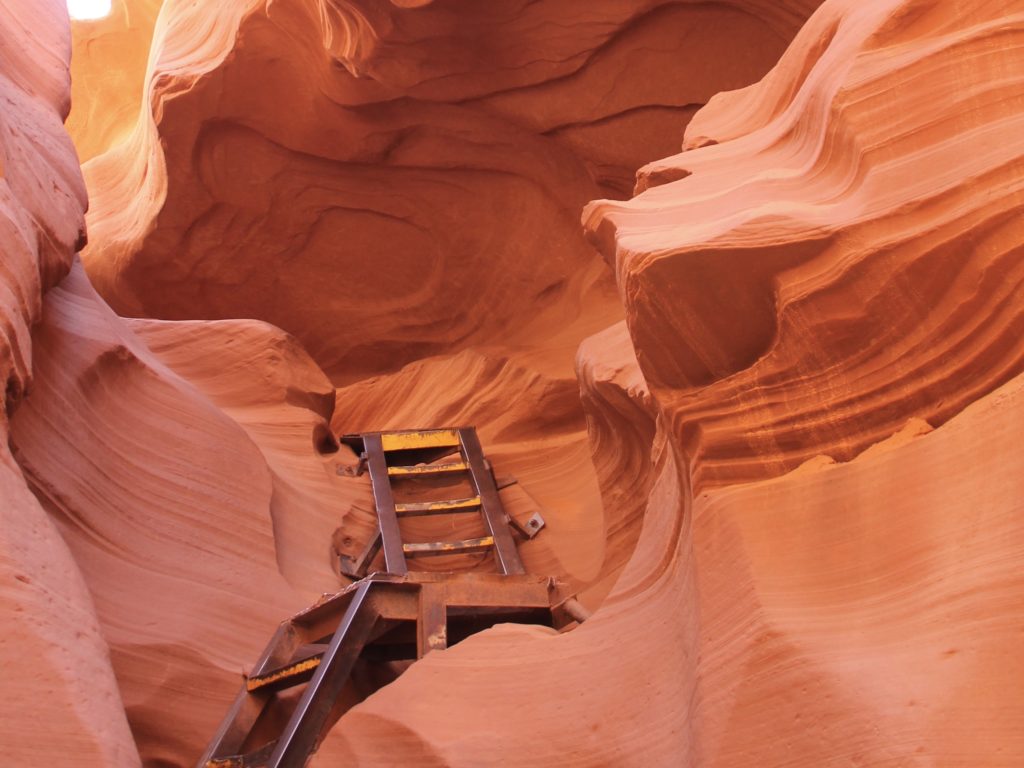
x=803 y=434
x=841 y=245
x=621 y=424
x=60 y=696
x=392 y=181
x=824 y=617
x=869 y=611
x=190 y=470
x=804 y=612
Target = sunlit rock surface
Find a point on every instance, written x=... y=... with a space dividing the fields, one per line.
x=108 y=74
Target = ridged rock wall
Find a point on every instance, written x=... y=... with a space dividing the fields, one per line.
x=833 y=264
x=421 y=213
x=621 y=424
x=390 y=181
x=869 y=611
x=851 y=613
x=176 y=517
x=802 y=435
x=60 y=696
x=841 y=242
x=798 y=611
x=401 y=192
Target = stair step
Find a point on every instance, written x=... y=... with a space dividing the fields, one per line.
x=430 y=438
x=437 y=507
x=464 y=547
x=298 y=670
x=428 y=469
x=257 y=759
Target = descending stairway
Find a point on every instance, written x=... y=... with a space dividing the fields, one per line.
x=382 y=617
x=389 y=616
x=393 y=456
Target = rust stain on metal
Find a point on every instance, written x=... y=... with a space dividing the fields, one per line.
x=448 y=505
x=449 y=547
x=260 y=681
x=428 y=469
x=433 y=438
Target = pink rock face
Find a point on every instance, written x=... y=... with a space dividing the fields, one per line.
x=170 y=509
x=42 y=198
x=846 y=252
x=851 y=609
x=60 y=696
x=873 y=608
x=388 y=182
x=776 y=443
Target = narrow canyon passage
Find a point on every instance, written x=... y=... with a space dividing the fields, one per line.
x=733 y=290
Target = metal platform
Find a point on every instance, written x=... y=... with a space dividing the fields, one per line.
x=382 y=617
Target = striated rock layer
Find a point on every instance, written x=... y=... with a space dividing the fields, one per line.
x=841 y=242
x=60 y=696
x=859 y=612
x=391 y=181
x=400 y=192
x=802 y=435
x=172 y=512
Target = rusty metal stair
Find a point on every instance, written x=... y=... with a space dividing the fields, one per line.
x=402 y=454
x=383 y=616
x=388 y=616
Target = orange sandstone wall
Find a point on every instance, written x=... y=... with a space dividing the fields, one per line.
x=59 y=697
x=803 y=431
x=180 y=522
x=398 y=185
x=841 y=242
x=867 y=612
x=833 y=260
x=108 y=74
x=391 y=181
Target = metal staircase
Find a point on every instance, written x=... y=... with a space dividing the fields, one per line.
x=395 y=615
x=394 y=456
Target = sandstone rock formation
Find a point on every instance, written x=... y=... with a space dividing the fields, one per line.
x=108 y=73
x=801 y=288
x=388 y=182
x=60 y=695
x=845 y=243
x=170 y=509
x=781 y=464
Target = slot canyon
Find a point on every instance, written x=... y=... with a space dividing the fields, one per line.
x=731 y=290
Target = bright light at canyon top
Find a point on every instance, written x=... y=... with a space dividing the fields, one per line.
x=88 y=9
